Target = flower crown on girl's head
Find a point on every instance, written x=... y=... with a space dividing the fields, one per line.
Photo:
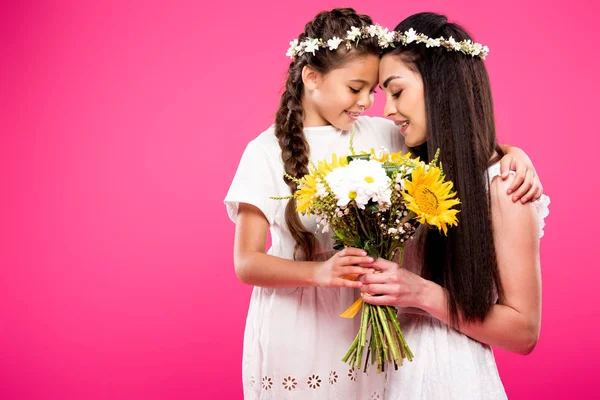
x=386 y=38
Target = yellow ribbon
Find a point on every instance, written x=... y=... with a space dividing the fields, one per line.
x=353 y=309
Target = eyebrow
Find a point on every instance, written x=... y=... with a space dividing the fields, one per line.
x=359 y=81
x=391 y=78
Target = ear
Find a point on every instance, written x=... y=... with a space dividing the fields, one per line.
x=310 y=77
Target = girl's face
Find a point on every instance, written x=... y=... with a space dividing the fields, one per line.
x=340 y=96
x=404 y=98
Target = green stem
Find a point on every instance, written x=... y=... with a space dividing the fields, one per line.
x=388 y=334
x=362 y=332
x=361 y=222
x=383 y=347
x=394 y=318
x=352 y=348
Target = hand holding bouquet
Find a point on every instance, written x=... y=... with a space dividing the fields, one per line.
x=375 y=201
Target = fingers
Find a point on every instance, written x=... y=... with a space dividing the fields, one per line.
x=505 y=164
x=530 y=196
x=378 y=288
x=351 y=260
x=351 y=251
x=539 y=193
x=525 y=187
x=339 y=282
x=378 y=278
x=385 y=300
x=356 y=271
x=517 y=182
x=383 y=265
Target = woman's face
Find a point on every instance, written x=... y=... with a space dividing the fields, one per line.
x=404 y=98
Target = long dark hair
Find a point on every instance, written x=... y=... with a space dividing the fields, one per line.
x=460 y=122
x=288 y=120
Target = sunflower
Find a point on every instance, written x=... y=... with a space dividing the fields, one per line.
x=391 y=158
x=307 y=191
x=428 y=196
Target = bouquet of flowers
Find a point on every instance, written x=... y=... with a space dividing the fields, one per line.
x=375 y=201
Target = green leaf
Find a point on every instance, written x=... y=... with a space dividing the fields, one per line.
x=340 y=234
x=371 y=250
x=359 y=157
x=372 y=208
x=338 y=244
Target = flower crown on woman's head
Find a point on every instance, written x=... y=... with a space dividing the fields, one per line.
x=385 y=38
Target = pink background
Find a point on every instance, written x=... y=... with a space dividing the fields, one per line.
x=122 y=126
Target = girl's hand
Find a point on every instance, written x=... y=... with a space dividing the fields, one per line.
x=337 y=271
x=527 y=185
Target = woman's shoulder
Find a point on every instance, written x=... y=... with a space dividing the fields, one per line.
x=513 y=212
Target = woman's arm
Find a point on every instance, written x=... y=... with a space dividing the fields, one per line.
x=512 y=324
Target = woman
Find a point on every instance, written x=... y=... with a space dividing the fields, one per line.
x=480 y=285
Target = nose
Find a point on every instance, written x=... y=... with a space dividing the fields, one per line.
x=390 y=108
x=366 y=101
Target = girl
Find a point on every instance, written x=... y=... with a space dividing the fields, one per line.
x=294 y=338
x=479 y=286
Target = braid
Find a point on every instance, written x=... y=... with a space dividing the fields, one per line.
x=294 y=152
x=289 y=128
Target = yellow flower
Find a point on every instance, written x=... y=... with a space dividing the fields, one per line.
x=306 y=193
x=393 y=158
x=428 y=196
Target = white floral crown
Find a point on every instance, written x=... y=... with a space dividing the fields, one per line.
x=386 y=38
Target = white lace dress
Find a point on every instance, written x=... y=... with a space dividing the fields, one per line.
x=294 y=339
x=448 y=365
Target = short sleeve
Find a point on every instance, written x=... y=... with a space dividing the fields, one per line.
x=253 y=183
x=541 y=205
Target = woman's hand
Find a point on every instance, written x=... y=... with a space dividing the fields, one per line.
x=337 y=271
x=395 y=285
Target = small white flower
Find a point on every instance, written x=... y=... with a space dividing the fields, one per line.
x=392 y=230
x=292 y=50
x=484 y=52
x=321 y=191
x=454 y=44
x=433 y=42
x=334 y=42
x=360 y=181
x=411 y=35
x=389 y=36
x=373 y=30
x=353 y=34
x=311 y=46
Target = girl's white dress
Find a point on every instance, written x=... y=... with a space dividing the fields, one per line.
x=294 y=339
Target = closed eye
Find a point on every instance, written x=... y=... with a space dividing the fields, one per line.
x=397 y=94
